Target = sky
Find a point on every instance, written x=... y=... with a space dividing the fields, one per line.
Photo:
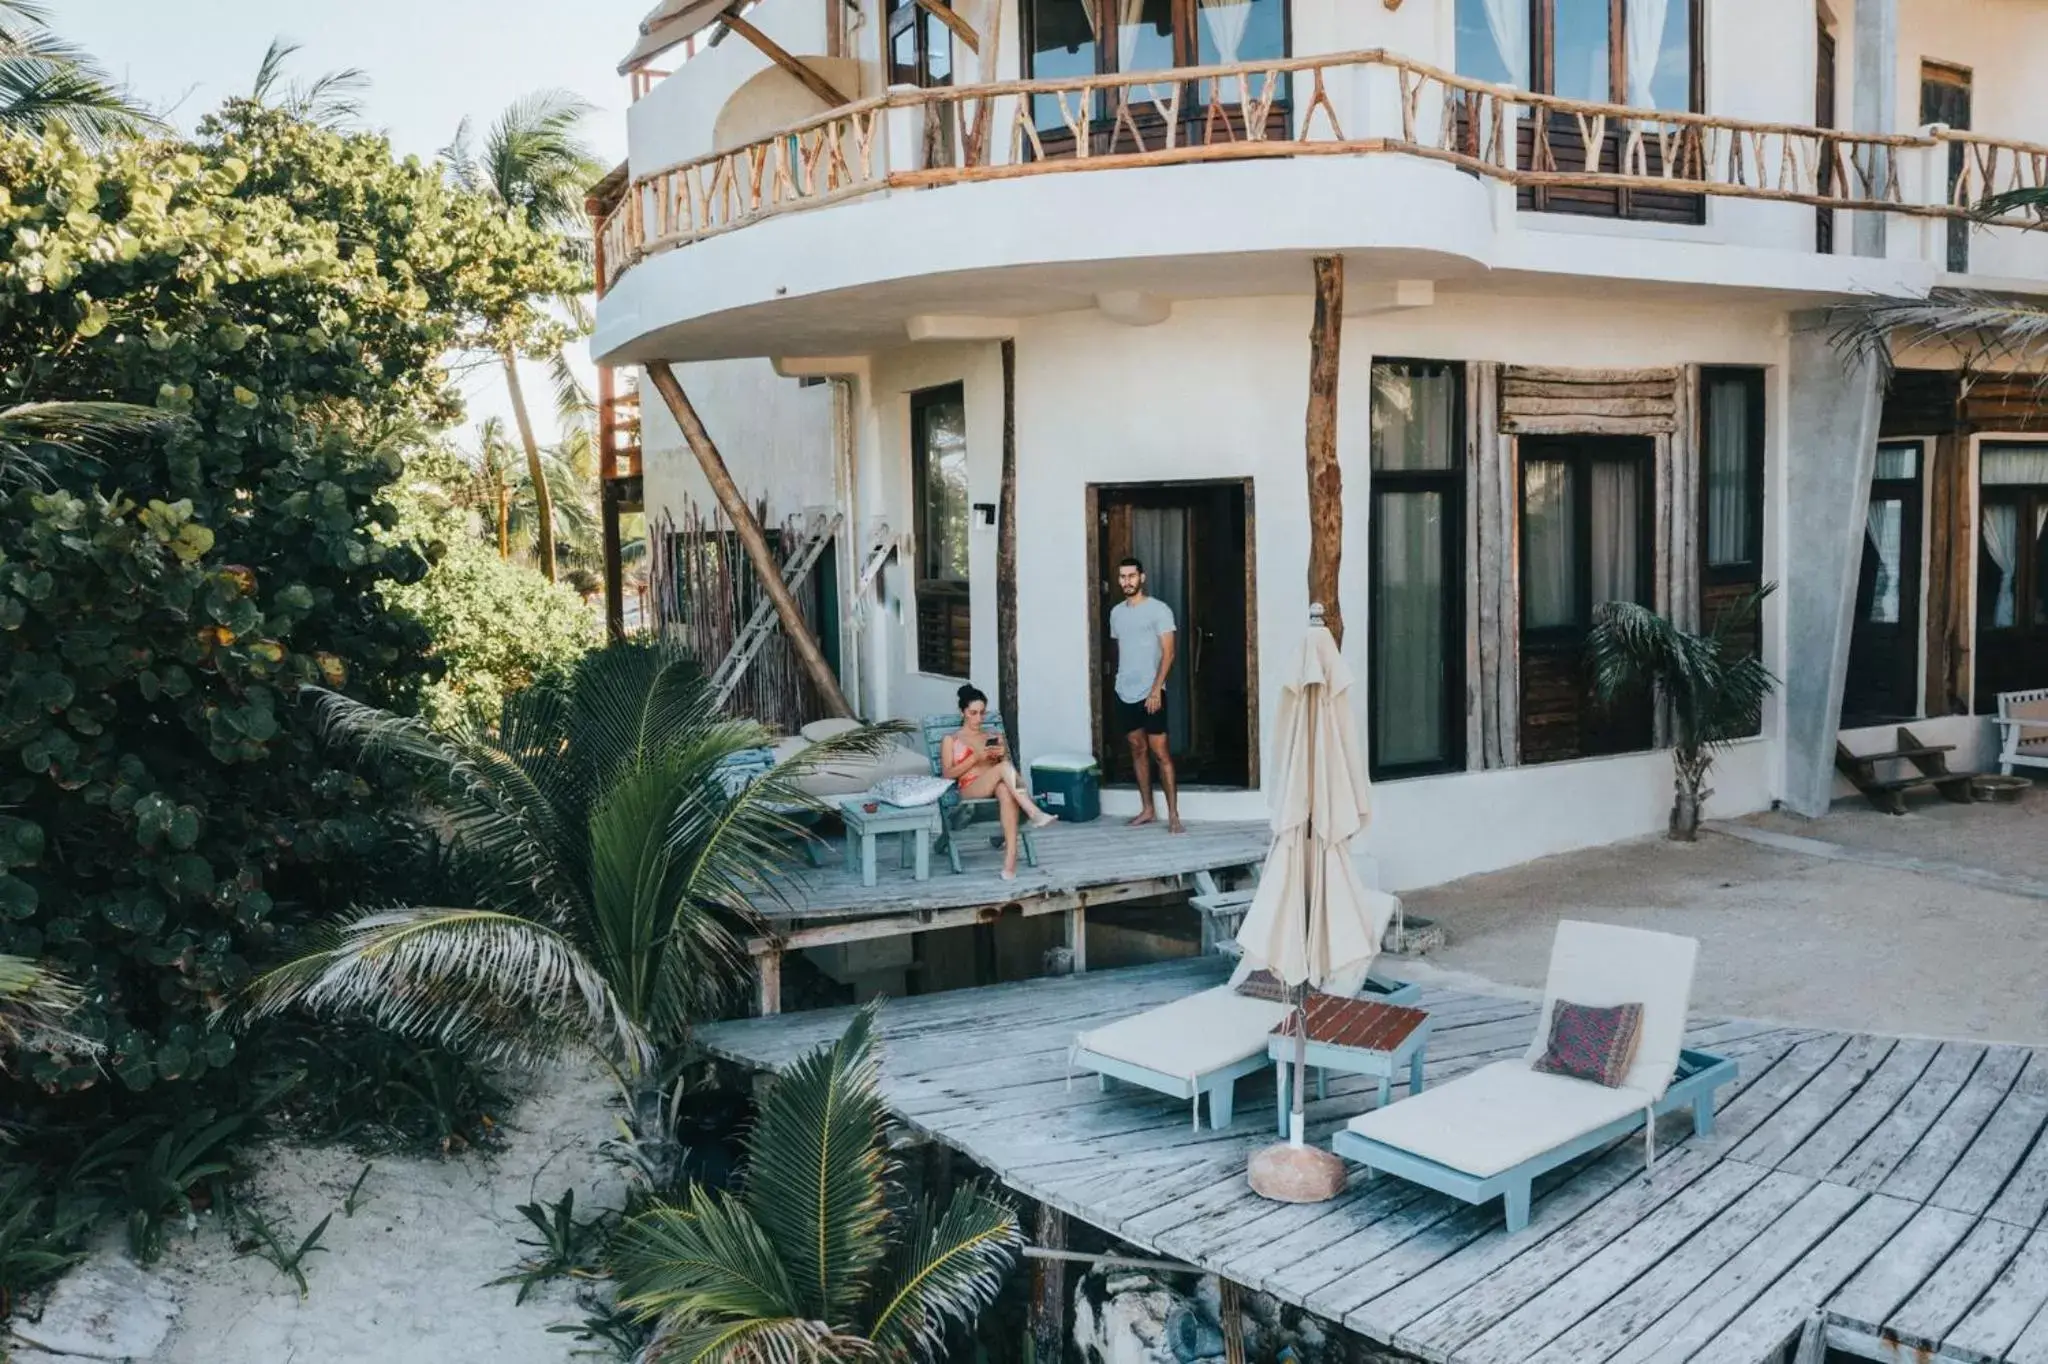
x=430 y=64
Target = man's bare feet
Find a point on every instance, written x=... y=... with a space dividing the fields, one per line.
x=1144 y=817
x=1174 y=826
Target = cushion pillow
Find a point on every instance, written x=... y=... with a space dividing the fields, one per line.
x=909 y=791
x=817 y=731
x=1264 y=984
x=1592 y=1044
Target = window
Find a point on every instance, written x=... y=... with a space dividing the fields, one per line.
x=1066 y=38
x=1642 y=53
x=2012 y=570
x=1945 y=98
x=938 y=472
x=1416 y=651
x=1732 y=475
x=1586 y=539
x=920 y=45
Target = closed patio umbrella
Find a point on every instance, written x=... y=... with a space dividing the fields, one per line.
x=1312 y=919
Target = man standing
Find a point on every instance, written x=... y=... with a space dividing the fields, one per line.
x=1142 y=627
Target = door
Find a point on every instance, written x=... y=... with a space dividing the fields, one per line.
x=1824 y=117
x=1883 y=682
x=1945 y=98
x=1587 y=504
x=1194 y=542
x=2012 y=571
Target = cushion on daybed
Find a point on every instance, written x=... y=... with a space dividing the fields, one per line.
x=1190 y=1036
x=1589 y=1043
x=1496 y=1117
x=1603 y=965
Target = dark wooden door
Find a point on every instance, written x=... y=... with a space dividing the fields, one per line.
x=1883 y=682
x=1824 y=117
x=2012 y=593
x=1194 y=539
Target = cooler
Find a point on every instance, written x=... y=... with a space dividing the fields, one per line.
x=1067 y=785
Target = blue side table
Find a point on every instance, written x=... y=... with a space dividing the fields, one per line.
x=915 y=827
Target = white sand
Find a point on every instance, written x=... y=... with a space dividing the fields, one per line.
x=401 y=1282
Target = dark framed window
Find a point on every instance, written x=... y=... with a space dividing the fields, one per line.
x=2012 y=569
x=1731 y=498
x=1945 y=98
x=1415 y=676
x=1067 y=38
x=920 y=45
x=938 y=474
x=1883 y=679
x=1647 y=54
x=1588 y=507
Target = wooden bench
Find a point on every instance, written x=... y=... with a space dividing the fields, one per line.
x=1930 y=768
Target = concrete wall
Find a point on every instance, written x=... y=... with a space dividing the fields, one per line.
x=775 y=434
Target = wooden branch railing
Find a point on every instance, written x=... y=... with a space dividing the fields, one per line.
x=1298 y=106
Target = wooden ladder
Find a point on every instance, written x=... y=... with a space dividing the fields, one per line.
x=763 y=622
x=1930 y=768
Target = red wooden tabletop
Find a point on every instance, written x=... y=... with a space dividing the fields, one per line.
x=1361 y=1023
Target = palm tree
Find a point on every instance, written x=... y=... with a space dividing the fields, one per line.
x=603 y=866
x=30 y=433
x=810 y=1261
x=534 y=163
x=1715 y=688
x=47 y=83
x=331 y=100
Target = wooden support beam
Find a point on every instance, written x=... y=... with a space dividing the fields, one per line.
x=1049 y=1289
x=768 y=983
x=1077 y=938
x=775 y=52
x=801 y=641
x=1006 y=557
x=962 y=30
x=1325 y=478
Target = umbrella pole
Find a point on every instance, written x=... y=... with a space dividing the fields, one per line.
x=1298 y=1119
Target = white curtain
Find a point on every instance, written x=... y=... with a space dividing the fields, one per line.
x=2008 y=464
x=1617 y=532
x=1414 y=416
x=1884 y=527
x=1159 y=540
x=1644 y=21
x=1728 y=463
x=1408 y=682
x=1548 y=535
x=1226 y=21
x=1509 y=22
x=2001 y=537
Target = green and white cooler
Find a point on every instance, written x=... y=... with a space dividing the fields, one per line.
x=1068 y=785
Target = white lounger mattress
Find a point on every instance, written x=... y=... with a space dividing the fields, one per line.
x=1497 y=1117
x=1190 y=1036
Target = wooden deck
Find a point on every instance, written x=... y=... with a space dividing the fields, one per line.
x=1079 y=865
x=1894 y=1189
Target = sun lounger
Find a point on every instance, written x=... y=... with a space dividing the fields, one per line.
x=1202 y=1044
x=2022 y=730
x=1490 y=1133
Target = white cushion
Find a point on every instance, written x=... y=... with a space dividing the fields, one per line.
x=909 y=792
x=1191 y=1036
x=1497 y=1117
x=818 y=731
x=1603 y=965
x=854 y=773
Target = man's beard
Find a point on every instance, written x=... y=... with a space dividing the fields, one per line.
x=1131 y=589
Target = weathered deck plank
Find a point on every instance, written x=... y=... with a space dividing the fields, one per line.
x=1818 y=1192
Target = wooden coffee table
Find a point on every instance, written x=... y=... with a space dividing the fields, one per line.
x=914 y=825
x=1352 y=1037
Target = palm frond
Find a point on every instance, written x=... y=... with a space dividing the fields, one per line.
x=459 y=156
x=815 y=1172
x=786 y=1340
x=48 y=83
x=330 y=99
x=574 y=407
x=708 y=1260
x=29 y=432
x=536 y=162
x=947 y=1271
x=505 y=988
x=1714 y=691
x=2031 y=201
x=1985 y=330
x=35 y=1002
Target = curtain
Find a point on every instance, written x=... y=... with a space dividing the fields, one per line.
x=1414 y=418
x=1508 y=20
x=1548 y=534
x=1617 y=531
x=1884 y=528
x=1728 y=464
x=2001 y=537
x=1159 y=540
x=1643 y=21
x=2008 y=464
x=1408 y=624
x=1226 y=22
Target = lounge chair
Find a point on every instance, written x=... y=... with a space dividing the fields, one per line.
x=1203 y=1043
x=2022 y=729
x=1490 y=1133
x=956 y=811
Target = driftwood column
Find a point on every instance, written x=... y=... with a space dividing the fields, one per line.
x=1325 y=479
x=1006 y=557
x=751 y=538
x=1049 y=1290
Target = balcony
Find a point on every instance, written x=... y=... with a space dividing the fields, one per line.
x=1506 y=146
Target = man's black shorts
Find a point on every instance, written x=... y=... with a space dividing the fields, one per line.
x=1133 y=717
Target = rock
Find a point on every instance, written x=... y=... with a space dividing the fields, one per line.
x=1192 y=1333
x=106 y=1309
x=1126 y=1283
x=1296 y=1174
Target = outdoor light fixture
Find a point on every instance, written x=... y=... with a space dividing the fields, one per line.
x=985 y=512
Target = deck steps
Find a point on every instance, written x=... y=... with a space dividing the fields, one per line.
x=1930 y=768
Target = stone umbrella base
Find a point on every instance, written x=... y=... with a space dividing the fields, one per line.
x=1296 y=1174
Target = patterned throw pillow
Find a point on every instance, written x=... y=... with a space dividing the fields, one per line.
x=904 y=792
x=1592 y=1044
x=1264 y=985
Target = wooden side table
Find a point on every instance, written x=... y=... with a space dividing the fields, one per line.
x=914 y=825
x=1352 y=1037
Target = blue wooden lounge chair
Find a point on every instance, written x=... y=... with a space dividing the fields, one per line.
x=956 y=811
x=1201 y=1044
x=1489 y=1133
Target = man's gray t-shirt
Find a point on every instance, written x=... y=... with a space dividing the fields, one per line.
x=1137 y=627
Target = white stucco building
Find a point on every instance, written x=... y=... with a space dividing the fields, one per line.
x=1563 y=378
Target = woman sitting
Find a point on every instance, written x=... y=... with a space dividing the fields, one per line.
x=978 y=763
